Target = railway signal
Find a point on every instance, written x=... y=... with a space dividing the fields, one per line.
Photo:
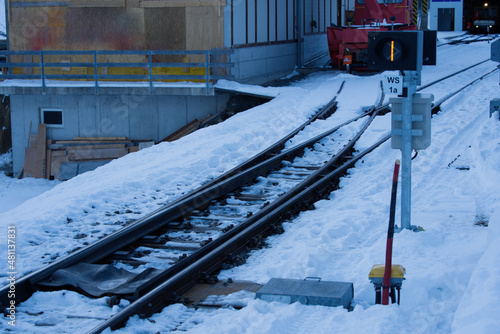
x=404 y=51
x=401 y=50
x=395 y=50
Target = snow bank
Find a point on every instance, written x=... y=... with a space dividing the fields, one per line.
x=479 y=309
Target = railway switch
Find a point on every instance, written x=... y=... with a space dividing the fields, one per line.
x=376 y=276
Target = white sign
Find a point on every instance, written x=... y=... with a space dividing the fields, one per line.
x=393 y=84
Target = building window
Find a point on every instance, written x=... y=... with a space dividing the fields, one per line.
x=52 y=117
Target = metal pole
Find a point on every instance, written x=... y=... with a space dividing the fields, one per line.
x=7 y=17
x=299 y=33
x=95 y=72
x=207 y=62
x=410 y=85
x=43 y=71
x=150 y=56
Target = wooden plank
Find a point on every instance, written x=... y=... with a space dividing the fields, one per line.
x=41 y=151
x=93 y=147
x=101 y=138
x=58 y=157
x=33 y=141
x=83 y=147
x=48 y=160
x=97 y=154
x=210 y=118
x=30 y=162
x=67 y=142
x=186 y=129
x=133 y=149
x=49 y=164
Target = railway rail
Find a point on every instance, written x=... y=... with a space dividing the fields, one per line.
x=215 y=225
x=467 y=39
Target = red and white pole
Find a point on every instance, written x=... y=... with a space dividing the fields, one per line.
x=390 y=234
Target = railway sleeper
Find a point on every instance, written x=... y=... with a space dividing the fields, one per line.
x=249 y=197
x=153 y=241
x=282 y=176
x=184 y=245
x=205 y=228
x=309 y=167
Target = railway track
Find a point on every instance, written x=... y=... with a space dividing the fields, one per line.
x=467 y=39
x=215 y=225
x=111 y=248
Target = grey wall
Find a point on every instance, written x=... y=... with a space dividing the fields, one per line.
x=136 y=116
x=259 y=64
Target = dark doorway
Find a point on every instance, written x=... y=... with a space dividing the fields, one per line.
x=446 y=19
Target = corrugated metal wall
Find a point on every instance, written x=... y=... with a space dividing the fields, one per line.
x=270 y=21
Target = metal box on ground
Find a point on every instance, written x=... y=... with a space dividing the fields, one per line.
x=421 y=121
x=495 y=106
x=307 y=292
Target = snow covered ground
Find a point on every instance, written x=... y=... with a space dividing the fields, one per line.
x=452 y=267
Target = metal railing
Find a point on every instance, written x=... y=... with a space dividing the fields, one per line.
x=209 y=64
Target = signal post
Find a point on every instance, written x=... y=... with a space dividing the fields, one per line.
x=404 y=51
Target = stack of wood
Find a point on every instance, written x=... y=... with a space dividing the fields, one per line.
x=64 y=159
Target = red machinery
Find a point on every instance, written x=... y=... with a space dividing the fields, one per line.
x=348 y=45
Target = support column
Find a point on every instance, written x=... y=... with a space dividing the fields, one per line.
x=410 y=86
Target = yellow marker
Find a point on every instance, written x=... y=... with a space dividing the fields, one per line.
x=392 y=50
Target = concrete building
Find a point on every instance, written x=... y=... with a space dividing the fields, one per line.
x=100 y=95
x=446 y=15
